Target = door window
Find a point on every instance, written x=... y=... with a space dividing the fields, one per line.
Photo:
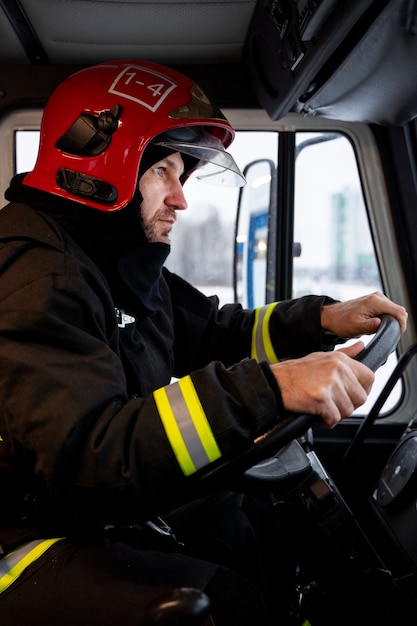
x=336 y=254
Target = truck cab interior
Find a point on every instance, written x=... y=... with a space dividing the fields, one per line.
x=323 y=97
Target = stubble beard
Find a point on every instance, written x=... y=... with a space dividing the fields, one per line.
x=150 y=228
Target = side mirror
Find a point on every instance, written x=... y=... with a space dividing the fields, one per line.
x=252 y=246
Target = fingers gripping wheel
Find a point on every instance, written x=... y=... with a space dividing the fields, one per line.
x=382 y=344
x=293 y=426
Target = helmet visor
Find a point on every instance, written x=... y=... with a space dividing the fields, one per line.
x=214 y=164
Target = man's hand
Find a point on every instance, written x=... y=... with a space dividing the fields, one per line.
x=360 y=316
x=330 y=385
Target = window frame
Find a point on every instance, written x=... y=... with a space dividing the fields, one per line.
x=374 y=191
x=377 y=203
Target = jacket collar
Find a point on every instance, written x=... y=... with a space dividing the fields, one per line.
x=114 y=240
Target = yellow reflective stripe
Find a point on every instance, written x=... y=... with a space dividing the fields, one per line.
x=14 y=572
x=254 y=351
x=186 y=425
x=173 y=432
x=269 y=350
x=262 y=349
x=199 y=418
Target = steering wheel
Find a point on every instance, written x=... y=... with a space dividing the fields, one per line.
x=293 y=426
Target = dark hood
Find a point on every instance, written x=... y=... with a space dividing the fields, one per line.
x=115 y=240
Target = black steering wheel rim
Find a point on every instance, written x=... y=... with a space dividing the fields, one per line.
x=293 y=426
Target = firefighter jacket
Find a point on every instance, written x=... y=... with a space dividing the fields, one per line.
x=120 y=381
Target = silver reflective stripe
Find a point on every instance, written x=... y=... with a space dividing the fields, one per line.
x=186 y=426
x=15 y=563
x=10 y=561
x=260 y=349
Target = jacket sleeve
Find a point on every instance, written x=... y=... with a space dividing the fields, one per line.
x=291 y=329
x=69 y=432
x=274 y=332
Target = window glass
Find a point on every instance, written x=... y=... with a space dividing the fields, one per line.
x=335 y=251
x=203 y=239
x=27 y=143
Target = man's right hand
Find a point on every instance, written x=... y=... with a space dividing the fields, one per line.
x=330 y=385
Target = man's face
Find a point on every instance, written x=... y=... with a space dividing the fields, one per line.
x=163 y=196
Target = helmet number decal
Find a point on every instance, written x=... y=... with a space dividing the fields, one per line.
x=143 y=86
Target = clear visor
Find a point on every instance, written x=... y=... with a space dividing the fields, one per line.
x=214 y=165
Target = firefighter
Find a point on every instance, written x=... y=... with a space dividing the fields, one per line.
x=96 y=441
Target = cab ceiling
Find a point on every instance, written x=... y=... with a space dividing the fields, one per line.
x=352 y=61
x=90 y=31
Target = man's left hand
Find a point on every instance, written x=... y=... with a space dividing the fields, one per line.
x=359 y=316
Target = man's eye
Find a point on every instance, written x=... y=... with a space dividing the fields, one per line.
x=159 y=170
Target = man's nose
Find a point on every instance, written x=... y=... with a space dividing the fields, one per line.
x=177 y=199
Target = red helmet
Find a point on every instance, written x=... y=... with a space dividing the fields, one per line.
x=98 y=122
